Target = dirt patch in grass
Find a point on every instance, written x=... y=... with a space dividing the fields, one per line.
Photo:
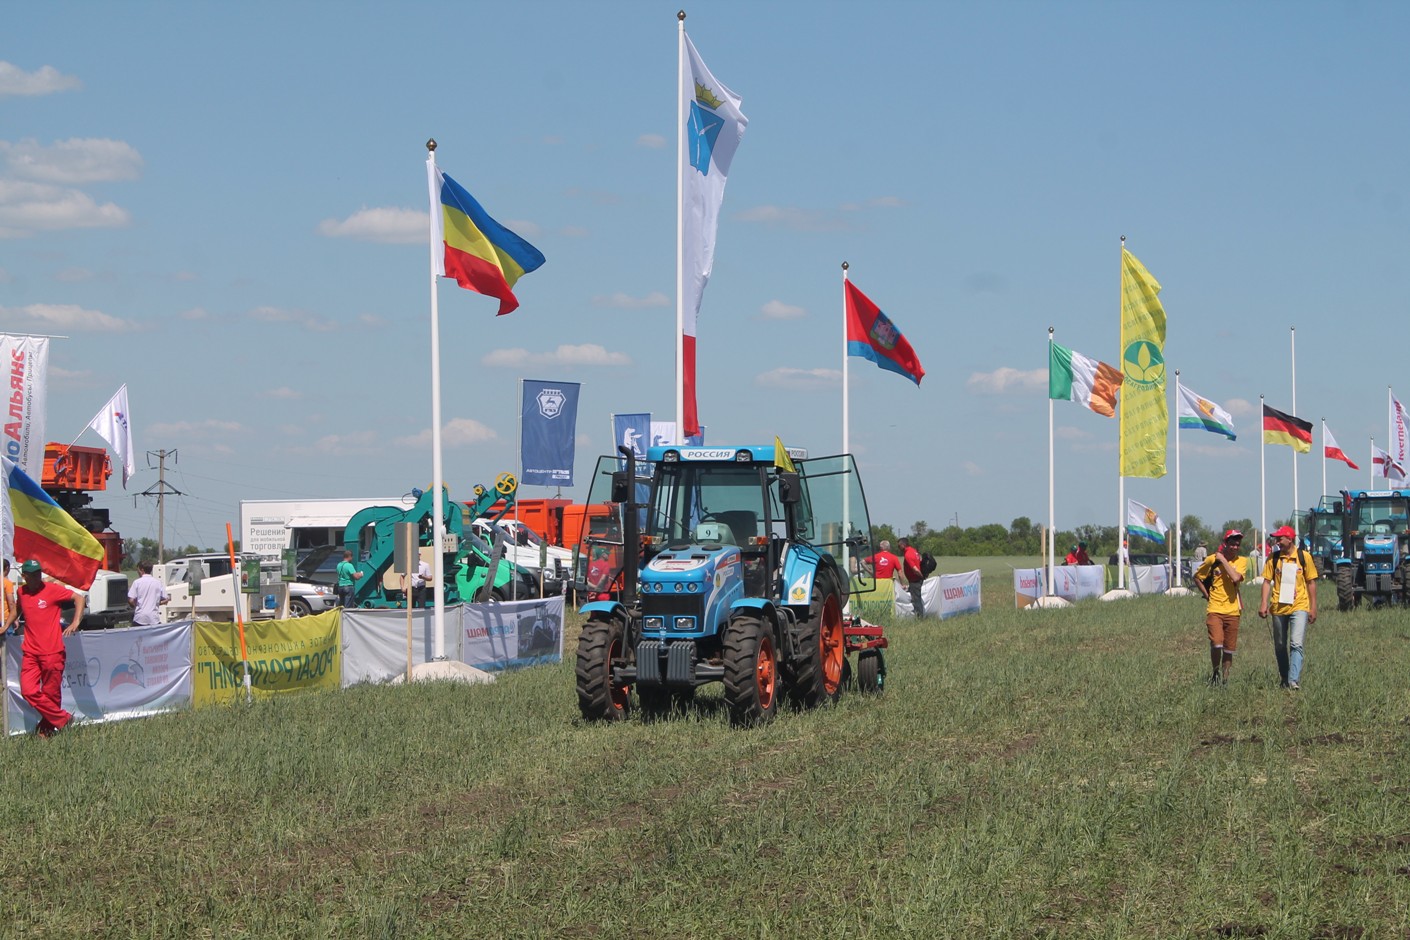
x=1207 y=745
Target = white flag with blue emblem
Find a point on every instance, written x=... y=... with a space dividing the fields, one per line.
x=709 y=136
x=114 y=425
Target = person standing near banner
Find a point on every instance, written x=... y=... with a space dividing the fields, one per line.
x=1290 y=583
x=884 y=563
x=419 y=580
x=910 y=567
x=1218 y=578
x=348 y=576
x=145 y=596
x=43 y=654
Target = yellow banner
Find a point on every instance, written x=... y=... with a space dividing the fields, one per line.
x=285 y=656
x=1145 y=417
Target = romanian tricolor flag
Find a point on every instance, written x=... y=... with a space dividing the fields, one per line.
x=480 y=254
x=872 y=335
x=39 y=528
x=1279 y=428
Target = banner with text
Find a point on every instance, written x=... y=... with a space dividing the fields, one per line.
x=549 y=427
x=111 y=674
x=959 y=594
x=512 y=634
x=285 y=656
x=929 y=595
x=1027 y=586
x=374 y=641
x=27 y=358
x=1074 y=582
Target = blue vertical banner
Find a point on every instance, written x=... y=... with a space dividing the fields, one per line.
x=632 y=431
x=549 y=431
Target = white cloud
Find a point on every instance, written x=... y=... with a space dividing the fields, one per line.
x=1003 y=381
x=28 y=207
x=350 y=445
x=385 y=225
x=778 y=310
x=972 y=469
x=46 y=81
x=588 y=354
x=74 y=275
x=458 y=432
x=195 y=313
x=64 y=317
x=800 y=379
x=1239 y=408
x=1068 y=433
x=623 y=301
x=283 y=392
x=72 y=162
x=652 y=141
x=793 y=218
x=210 y=427
x=300 y=317
x=573 y=231
x=524 y=228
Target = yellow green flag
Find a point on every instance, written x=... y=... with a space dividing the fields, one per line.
x=1145 y=418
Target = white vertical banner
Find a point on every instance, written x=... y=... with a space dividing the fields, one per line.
x=114 y=425
x=26 y=364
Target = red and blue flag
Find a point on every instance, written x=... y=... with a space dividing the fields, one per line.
x=872 y=335
x=37 y=527
x=482 y=255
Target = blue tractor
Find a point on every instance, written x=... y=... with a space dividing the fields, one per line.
x=733 y=568
x=1376 y=548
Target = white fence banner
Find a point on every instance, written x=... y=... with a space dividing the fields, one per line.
x=1027 y=586
x=26 y=364
x=959 y=594
x=374 y=641
x=1150 y=579
x=1091 y=581
x=901 y=605
x=512 y=634
x=110 y=675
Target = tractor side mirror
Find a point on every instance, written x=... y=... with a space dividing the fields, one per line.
x=621 y=486
x=789 y=488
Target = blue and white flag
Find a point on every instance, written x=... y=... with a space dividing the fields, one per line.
x=1145 y=521
x=549 y=423
x=632 y=431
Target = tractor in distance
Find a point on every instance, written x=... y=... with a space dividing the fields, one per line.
x=733 y=567
x=1374 y=550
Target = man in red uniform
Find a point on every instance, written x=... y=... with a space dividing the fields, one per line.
x=884 y=563
x=42 y=665
x=910 y=567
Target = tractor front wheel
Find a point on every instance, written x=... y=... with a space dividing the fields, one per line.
x=815 y=678
x=599 y=698
x=1346 y=587
x=751 y=671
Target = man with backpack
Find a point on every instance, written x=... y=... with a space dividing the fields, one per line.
x=915 y=578
x=1290 y=595
x=1218 y=578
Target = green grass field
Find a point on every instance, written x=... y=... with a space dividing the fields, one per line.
x=1062 y=773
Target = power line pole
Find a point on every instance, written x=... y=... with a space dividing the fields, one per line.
x=160 y=491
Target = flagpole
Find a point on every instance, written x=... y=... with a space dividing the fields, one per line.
x=1324 y=462
x=1122 y=555
x=437 y=477
x=1177 y=478
x=1293 y=331
x=846 y=396
x=1371 y=476
x=680 y=225
x=1262 y=480
x=1052 y=550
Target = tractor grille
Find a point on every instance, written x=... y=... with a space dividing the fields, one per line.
x=117 y=594
x=671 y=606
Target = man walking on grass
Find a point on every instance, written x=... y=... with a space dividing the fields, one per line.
x=43 y=653
x=1218 y=578
x=1290 y=595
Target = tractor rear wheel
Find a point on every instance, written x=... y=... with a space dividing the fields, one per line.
x=1346 y=587
x=751 y=671
x=869 y=672
x=599 y=699
x=815 y=678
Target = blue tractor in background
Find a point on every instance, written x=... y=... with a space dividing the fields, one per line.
x=1361 y=540
x=733 y=568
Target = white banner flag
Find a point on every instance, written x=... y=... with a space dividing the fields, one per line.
x=114 y=426
x=1399 y=444
x=26 y=358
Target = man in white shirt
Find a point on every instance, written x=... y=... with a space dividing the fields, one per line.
x=145 y=596
x=419 y=582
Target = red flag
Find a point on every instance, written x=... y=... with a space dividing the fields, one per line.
x=1330 y=449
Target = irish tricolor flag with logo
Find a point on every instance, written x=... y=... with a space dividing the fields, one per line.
x=1074 y=377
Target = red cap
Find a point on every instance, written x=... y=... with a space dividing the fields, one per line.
x=1233 y=534
x=1285 y=531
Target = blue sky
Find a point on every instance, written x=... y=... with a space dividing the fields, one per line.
x=223 y=206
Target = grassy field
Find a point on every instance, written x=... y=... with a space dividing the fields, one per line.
x=1062 y=773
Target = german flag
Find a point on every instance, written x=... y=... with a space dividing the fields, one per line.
x=1279 y=428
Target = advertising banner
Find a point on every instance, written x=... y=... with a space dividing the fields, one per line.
x=26 y=363
x=1027 y=586
x=1150 y=579
x=112 y=674
x=374 y=641
x=929 y=595
x=632 y=431
x=959 y=594
x=495 y=637
x=285 y=656
x=549 y=425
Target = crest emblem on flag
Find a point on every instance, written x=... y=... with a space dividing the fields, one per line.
x=1206 y=408
x=883 y=332
x=703 y=127
x=551 y=402
x=1151 y=517
x=1144 y=363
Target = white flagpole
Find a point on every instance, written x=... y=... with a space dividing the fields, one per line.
x=438 y=496
x=1293 y=332
x=1121 y=552
x=1371 y=476
x=846 y=425
x=680 y=226
x=1177 y=478
x=1052 y=550
x=1262 y=481
x=1324 y=463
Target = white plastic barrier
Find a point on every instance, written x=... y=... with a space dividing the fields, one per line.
x=1149 y=579
x=959 y=594
x=110 y=675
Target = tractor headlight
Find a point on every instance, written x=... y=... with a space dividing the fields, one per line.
x=654 y=623
x=679 y=587
x=685 y=623
x=692 y=587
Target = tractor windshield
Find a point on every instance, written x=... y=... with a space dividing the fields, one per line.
x=715 y=502
x=1383 y=515
x=834 y=514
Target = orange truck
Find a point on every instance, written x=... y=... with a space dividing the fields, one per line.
x=561 y=522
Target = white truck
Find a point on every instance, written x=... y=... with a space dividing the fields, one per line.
x=220 y=590
x=527 y=549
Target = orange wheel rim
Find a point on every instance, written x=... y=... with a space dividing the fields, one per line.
x=831 y=645
x=621 y=694
x=765 y=673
